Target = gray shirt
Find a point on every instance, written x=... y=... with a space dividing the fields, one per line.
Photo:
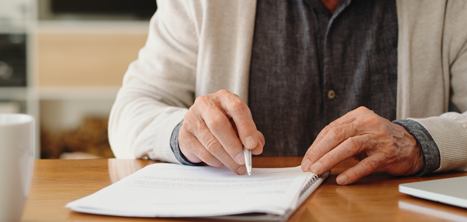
x=310 y=67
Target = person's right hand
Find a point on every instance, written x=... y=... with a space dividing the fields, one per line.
x=216 y=128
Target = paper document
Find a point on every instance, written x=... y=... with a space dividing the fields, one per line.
x=171 y=190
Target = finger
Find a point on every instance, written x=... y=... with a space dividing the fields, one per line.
x=241 y=115
x=216 y=149
x=214 y=156
x=333 y=136
x=363 y=168
x=216 y=127
x=194 y=151
x=350 y=147
x=348 y=118
x=343 y=120
x=259 y=148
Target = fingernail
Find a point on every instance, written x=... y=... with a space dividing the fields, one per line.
x=316 y=168
x=342 y=180
x=306 y=165
x=250 y=142
x=240 y=158
x=241 y=170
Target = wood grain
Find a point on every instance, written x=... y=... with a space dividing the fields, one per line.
x=373 y=198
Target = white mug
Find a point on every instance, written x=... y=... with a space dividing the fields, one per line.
x=16 y=163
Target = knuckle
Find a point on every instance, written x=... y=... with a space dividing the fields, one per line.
x=353 y=144
x=201 y=104
x=188 y=118
x=315 y=154
x=355 y=173
x=330 y=160
x=201 y=99
x=372 y=122
x=213 y=146
x=246 y=125
x=373 y=119
x=373 y=116
x=223 y=92
x=332 y=124
x=325 y=130
x=358 y=111
x=238 y=107
x=362 y=109
x=337 y=133
x=216 y=122
x=370 y=164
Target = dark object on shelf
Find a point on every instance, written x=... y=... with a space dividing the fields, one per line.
x=13 y=59
x=139 y=8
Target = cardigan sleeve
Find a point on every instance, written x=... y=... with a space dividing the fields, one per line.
x=158 y=87
x=450 y=129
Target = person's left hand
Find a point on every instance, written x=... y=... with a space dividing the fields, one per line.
x=374 y=141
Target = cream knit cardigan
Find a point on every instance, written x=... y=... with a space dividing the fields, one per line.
x=197 y=47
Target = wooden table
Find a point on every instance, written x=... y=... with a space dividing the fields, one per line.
x=373 y=198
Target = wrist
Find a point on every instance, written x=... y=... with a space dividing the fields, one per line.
x=174 y=144
x=416 y=153
x=413 y=151
x=429 y=149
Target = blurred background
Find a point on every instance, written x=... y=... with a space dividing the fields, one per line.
x=63 y=61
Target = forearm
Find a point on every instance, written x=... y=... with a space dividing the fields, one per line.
x=157 y=88
x=141 y=126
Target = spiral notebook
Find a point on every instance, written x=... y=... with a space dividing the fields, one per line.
x=171 y=190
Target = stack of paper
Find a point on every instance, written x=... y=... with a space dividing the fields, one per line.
x=170 y=190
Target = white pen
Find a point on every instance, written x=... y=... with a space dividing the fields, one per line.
x=247 y=154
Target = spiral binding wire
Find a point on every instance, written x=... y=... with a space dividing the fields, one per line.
x=310 y=183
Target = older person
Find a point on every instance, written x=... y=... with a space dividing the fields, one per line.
x=327 y=80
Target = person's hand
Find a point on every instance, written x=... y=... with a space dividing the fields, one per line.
x=216 y=128
x=374 y=141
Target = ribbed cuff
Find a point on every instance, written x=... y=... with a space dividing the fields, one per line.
x=176 y=148
x=428 y=145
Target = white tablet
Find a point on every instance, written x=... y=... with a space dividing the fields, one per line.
x=451 y=191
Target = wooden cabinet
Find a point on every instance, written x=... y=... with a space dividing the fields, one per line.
x=82 y=58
